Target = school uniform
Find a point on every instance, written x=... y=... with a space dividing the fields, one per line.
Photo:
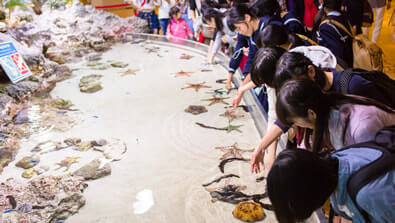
x=336 y=39
x=293 y=24
x=234 y=63
x=275 y=19
x=266 y=20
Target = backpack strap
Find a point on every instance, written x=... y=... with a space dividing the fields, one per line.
x=293 y=20
x=368 y=173
x=344 y=80
x=312 y=42
x=334 y=24
x=385 y=163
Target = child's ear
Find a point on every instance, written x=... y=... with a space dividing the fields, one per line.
x=311 y=72
x=247 y=18
x=311 y=115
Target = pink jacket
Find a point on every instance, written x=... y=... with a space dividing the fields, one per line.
x=179 y=29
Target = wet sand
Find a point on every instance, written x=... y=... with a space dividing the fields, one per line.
x=167 y=153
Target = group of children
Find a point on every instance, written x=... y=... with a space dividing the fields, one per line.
x=308 y=90
x=172 y=18
x=298 y=66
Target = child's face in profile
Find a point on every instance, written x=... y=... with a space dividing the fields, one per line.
x=177 y=16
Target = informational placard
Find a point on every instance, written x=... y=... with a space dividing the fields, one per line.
x=12 y=62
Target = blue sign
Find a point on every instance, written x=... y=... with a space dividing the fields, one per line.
x=12 y=62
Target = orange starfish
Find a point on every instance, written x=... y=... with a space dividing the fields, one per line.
x=196 y=86
x=183 y=73
x=129 y=72
x=231 y=114
x=232 y=151
x=185 y=56
x=215 y=100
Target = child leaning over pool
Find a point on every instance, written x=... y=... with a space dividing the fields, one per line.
x=177 y=27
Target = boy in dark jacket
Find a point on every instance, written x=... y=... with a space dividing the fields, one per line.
x=334 y=37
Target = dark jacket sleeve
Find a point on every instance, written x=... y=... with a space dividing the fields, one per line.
x=362 y=87
x=251 y=54
x=234 y=63
x=281 y=126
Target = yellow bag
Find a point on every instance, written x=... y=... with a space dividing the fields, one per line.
x=367 y=55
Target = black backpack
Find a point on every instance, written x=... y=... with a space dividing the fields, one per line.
x=384 y=84
x=385 y=142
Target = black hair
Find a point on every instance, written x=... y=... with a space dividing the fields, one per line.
x=333 y=5
x=237 y=15
x=300 y=182
x=296 y=97
x=293 y=65
x=173 y=11
x=272 y=35
x=265 y=7
x=264 y=65
x=210 y=4
x=209 y=12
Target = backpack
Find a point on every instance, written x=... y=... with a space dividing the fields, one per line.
x=384 y=142
x=303 y=37
x=384 y=84
x=367 y=55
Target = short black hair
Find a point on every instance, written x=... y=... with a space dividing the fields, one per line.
x=294 y=65
x=271 y=36
x=264 y=65
x=333 y=5
x=300 y=182
x=174 y=10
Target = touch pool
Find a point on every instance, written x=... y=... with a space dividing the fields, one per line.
x=158 y=176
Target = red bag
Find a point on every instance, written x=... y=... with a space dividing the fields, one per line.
x=310 y=11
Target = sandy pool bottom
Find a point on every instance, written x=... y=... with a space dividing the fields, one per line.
x=168 y=154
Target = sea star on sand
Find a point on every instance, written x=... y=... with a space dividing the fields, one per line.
x=231 y=114
x=183 y=73
x=232 y=151
x=129 y=72
x=215 y=100
x=218 y=92
x=152 y=50
x=185 y=56
x=230 y=128
x=67 y=163
x=196 y=86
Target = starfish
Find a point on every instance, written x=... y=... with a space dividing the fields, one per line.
x=183 y=73
x=67 y=163
x=215 y=100
x=218 y=92
x=205 y=70
x=232 y=151
x=230 y=128
x=152 y=50
x=185 y=56
x=129 y=72
x=231 y=114
x=196 y=86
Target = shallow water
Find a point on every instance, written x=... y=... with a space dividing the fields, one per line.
x=167 y=153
